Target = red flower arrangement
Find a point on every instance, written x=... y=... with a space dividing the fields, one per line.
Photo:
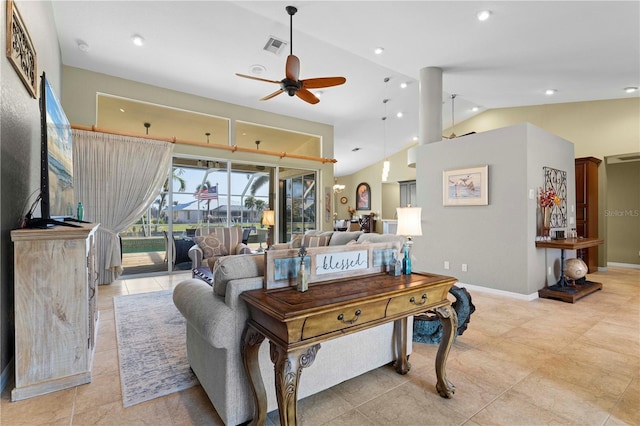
x=548 y=198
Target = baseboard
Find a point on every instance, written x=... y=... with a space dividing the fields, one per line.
x=503 y=293
x=4 y=377
x=623 y=265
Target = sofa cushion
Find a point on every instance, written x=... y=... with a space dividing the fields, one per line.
x=342 y=238
x=236 y=267
x=211 y=246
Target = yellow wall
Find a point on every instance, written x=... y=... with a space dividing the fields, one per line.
x=80 y=89
x=597 y=129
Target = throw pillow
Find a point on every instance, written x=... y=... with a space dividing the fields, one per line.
x=211 y=246
x=342 y=238
x=296 y=241
x=311 y=241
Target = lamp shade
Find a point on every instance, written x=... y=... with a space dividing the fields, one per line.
x=409 y=221
x=268 y=218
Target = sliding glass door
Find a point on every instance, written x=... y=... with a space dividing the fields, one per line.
x=298 y=196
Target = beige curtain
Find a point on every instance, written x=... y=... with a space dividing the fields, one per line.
x=116 y=178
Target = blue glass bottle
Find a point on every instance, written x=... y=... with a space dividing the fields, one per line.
x=406 y=261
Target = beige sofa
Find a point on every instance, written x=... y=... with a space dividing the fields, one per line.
x=215 y=322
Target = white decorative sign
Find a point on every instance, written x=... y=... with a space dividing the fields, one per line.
x=329 y=263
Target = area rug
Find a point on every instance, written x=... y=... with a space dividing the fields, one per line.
x=152 y=350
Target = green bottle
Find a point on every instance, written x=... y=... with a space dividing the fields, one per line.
x=80 y=212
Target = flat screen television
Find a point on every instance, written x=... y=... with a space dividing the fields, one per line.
x=56 y=162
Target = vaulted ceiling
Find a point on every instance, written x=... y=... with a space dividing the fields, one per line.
x=585 y=50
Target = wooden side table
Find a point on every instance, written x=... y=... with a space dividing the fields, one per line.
x=297 y=323
x=563 y=290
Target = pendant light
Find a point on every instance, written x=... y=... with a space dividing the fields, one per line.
x=385 y=165
x=453 y=116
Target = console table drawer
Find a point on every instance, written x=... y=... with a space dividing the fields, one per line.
x=416 y=299
x=343 y=318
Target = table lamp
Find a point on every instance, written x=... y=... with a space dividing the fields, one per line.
x=409 y=225
x=268 y=220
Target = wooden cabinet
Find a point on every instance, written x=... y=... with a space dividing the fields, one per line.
x=587 y=206
x=55 y=308
x=408 y=193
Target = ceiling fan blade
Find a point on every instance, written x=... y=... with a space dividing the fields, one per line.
x=273 y=95
x=292 y=70
x=318 y=83
x=307 y=96
x=257 y=78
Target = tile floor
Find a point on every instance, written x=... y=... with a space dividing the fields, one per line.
x=519 y=363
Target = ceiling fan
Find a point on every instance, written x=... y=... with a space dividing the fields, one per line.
x=291 y=83
x=453 y=121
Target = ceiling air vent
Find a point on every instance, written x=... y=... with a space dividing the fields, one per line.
x=274 y=45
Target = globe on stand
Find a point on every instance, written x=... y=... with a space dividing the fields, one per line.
x=575 y=269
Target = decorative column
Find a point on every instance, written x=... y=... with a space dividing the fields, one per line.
x=430 y=110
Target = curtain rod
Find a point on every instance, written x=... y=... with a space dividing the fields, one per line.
x=233 y=148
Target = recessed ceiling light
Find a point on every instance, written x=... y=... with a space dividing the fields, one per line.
x=318 y=93
x=550 y=92
x=121 y=109
x=378 y=50
x=484 y=15
x=475 y=109
x=84 y=47
x=399 y=114
x=257 y=69
x=403 y=85
x=356 y=149
x=630 y=89
x=138 y=40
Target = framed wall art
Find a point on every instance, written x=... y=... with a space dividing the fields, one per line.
x=20 y=50
x=555 y=182
x=363 y=196
x=466 y=187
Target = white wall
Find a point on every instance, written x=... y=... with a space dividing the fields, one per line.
x=497 y=242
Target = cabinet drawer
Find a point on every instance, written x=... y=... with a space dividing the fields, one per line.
x=343 y=318
x=411 y=301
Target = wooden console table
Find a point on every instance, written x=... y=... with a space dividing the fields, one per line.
x=297 y=323
x=563 y=290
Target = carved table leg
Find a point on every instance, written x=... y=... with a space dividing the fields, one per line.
x=251 y=340
x=288 y=368
x=402 y=363
x=449 y=320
